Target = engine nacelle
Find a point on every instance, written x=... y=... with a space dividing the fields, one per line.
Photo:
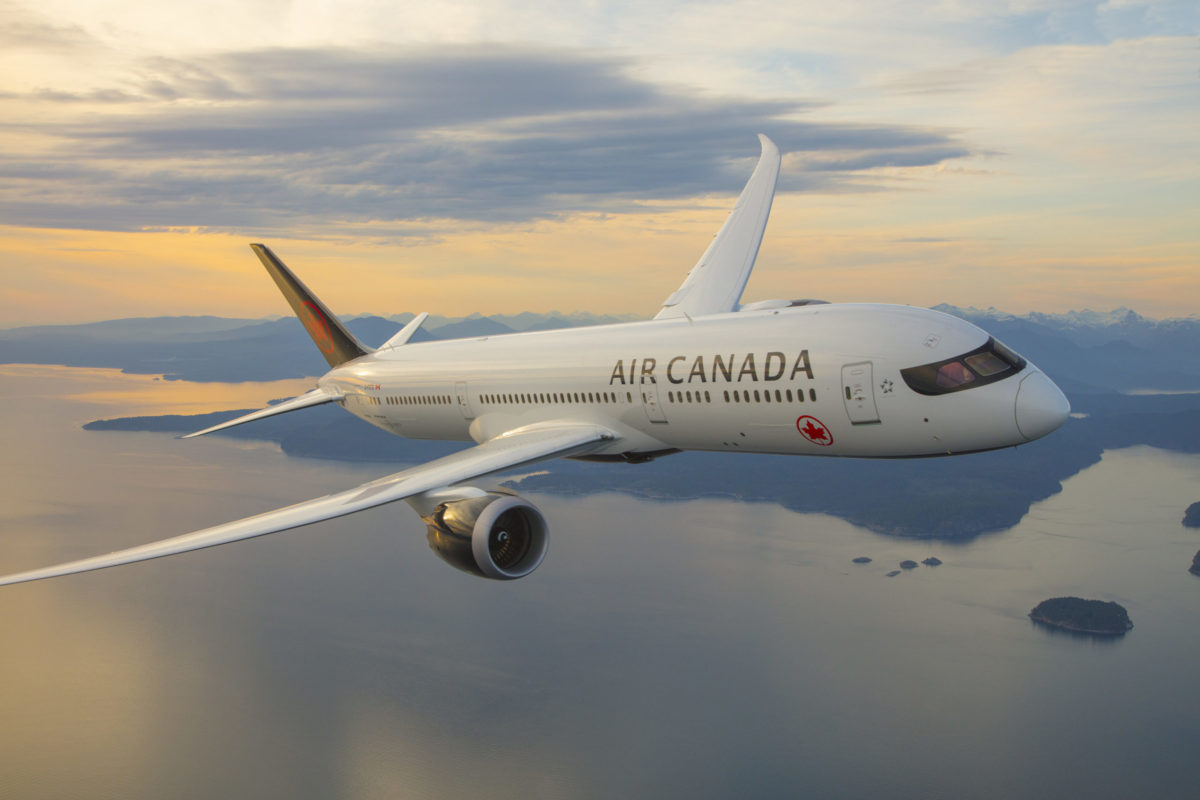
x=499 y=535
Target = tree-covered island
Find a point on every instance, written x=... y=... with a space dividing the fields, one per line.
x=1195 y=568
x=1075 y=614
x=1191 y=517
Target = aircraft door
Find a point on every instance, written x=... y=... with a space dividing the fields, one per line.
x=650 y=402
x=464 y=400
x=858 y=391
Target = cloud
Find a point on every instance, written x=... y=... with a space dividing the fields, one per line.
x=26 y=31
x=323 y=137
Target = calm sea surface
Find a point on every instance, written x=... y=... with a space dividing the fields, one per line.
x=697 y=649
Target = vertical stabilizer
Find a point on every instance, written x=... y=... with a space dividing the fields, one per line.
x=336 y=343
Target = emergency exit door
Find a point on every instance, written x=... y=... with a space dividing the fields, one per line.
x=464 y=400
x=651 y=402
x=858 y=391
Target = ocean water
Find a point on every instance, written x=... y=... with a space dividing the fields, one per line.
x=689 y=649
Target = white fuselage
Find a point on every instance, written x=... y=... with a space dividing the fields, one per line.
x=814 y=380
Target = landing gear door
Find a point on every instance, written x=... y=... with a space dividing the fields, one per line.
x=858 y=390
x=650 y=401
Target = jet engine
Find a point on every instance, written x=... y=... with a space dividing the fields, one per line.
x=498 y=535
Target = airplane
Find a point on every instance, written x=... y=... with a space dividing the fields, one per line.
x=801 y=377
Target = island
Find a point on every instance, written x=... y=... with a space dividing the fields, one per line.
x=863 y=560
x=1195 y=568
x=1191 y=517
x=932 y=561
x=1077 y=615
x=908 y=565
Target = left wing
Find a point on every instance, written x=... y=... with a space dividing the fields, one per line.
x=513 y=449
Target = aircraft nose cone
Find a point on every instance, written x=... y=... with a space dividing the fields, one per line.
x=1041 y=406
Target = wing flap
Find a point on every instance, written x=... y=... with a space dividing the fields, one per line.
x=715 y=284
x=507 y=451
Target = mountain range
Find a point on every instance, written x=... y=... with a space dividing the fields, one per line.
x=1085 y=352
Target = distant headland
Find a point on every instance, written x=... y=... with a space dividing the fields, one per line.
x=1191 y=517
x=1077 y=615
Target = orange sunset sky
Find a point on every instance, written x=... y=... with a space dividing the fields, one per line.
x=463 y=157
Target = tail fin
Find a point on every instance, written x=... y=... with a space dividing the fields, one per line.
x=336 y=343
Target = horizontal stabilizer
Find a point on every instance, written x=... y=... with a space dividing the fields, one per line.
x=314 y=398
x=406 y=332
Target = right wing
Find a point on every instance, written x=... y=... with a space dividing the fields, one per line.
x=715 y=284
x=516 y=448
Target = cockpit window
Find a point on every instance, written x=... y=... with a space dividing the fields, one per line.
x=953 y=375
x=984 y=365
x=987 y=364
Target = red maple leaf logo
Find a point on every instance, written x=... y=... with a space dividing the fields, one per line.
x=814 y=430
x=318 y=327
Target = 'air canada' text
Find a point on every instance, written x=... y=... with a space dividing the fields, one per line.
x=700 y=369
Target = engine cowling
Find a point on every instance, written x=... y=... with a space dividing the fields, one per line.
x=499 y=535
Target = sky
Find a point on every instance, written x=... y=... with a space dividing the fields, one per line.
x=498 y=157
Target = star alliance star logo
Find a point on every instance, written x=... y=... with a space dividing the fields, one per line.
x=887 y=385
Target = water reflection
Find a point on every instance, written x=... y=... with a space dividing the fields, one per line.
x=699 y=649
x=1098 y=639
x=133 y=395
